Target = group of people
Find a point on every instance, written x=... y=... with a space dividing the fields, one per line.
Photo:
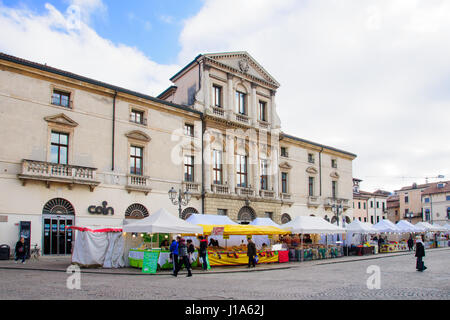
x=182 y=254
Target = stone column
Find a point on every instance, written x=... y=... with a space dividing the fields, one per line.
x=229 y=107
x=273 y=118
x=255 y=172
x=207 y=161
x=230 y=159
x=206 y=87
x=253 y=112
x=275 y=170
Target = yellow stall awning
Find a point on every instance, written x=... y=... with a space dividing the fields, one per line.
x=243 y=230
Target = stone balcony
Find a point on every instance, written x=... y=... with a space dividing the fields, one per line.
x=266 y=194
x=58 y=173
x=313 y=201
x=245 y=192
x=328 y=203
x=220 y=189
x=138 y=183
x=263 y=125
x=218 y=112
x=193 y=187
x=242 y=118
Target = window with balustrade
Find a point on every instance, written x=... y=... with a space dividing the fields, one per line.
x=241 y=103
x=242 y=171
x=59 y=148
x=136 y=160
x=311 y=186
x=189 y=168
x=217 y=167
x=217 y=92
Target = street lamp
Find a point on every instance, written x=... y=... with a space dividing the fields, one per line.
x=409 y=215
x=179 y=198
x=335 y=207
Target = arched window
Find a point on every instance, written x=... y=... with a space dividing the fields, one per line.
x=285 y=218
x=246 y=214
x=136 y=211
x=333 y=220
x=58 y=206
x=188 y=212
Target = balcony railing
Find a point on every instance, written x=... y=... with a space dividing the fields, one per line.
x=266 y=194
x=245 y=192
x=242 y=118
x=138 y=183
x=264 y=124
x=313 y=201
x=220 y=189
x=328 y=203
x=286 y=196
x=217 y=111
x=61 y=173
x=192 y=187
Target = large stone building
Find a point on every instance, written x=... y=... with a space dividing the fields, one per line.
x=78 y=151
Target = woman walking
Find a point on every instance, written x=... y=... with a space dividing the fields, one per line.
x=420 y=253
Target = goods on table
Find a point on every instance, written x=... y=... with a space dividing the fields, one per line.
x=230 y=256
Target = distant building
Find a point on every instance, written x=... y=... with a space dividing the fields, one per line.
x=436 y=203
x=369 y=206
x=393 y=208
x=410 y=202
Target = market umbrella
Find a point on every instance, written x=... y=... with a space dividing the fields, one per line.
x=161 y=222
x=438 y=227
x=311 y=225
x=405 y=226
x=264 y=222
x=427 y=227
x=360 y=227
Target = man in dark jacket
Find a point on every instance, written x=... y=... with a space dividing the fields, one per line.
x=410 y=243
x=251 y=253
x=420 y=253
x=184 y=258
x=21 y=250
x=202 y=252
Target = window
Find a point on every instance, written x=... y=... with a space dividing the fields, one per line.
x=334 y=189
x=262 y=111
x=384 y=205
x=269 y=215
x=333 y=163
x=365 y=219
x=406 y=199
x=427 y=200
x=396 y=212
x=284 y=182
x=427 y=214
x=448 y=212
x=217 y=167
x=137 y=116
x=59 y=148
x=378 y=219
x=60 y=98
x=241 y=165
x=240 y=103
x=264 y=176
x=189 y=168
x=371 y=219
x=136 y=157
x=378 y=204
x=189 y=129
x=371 y=204
x=359 y=205
x=311 y=186
x=217 y=96
x=284 y=152
x=310 y=158
x=447 y=198
x=364 y=205
x=222 y=212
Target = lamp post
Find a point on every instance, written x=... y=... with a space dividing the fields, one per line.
x=335 y=207
x=409 y=215
x=179 y=198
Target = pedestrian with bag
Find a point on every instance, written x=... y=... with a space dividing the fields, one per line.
x=183 y=258
x=420 y=253
x=191 y=250
x=21 y=250
x=174 y=253
x=251 y=253
x=203 y=251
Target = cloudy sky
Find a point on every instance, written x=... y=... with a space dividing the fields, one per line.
x=367 y=76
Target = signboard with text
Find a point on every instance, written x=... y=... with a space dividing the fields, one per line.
x=150 y=262
x=217 y=231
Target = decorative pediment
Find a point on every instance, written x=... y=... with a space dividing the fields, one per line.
x=285 y=165
x=244 y=63
x=138 y=135
x=312 y=170
x=61 y=119
x=335 y=175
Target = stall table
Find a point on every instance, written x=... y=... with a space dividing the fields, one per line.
x=233 y=258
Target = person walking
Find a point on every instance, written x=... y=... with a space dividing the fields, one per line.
x=174 y=253
x=202 y=252
x=21 y=250
x=191 y=250
x=410 y=243
x=184 y=258
x=251 y=253
x=420 y=253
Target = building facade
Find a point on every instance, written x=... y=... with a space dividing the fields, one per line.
x=78 y=151
x=410 y=202
x=436 y=203
x=369 y=206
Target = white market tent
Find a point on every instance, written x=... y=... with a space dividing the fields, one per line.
x=447 y=226
x=209 y=219
x=387 y=226
x=439 y=227
x=97 y=246
x=360 y=227
x=427 y=227
x=406 y=226
x=264 y=222
x=311 y=225
x=161 y=222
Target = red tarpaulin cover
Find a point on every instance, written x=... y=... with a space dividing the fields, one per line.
x=283 y=256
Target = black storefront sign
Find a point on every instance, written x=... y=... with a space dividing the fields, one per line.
x=103 y=209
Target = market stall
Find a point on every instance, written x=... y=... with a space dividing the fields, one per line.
x=306 y=246
x=357 y=238
x=237 y=254
x=98 y=247
x=161 y=222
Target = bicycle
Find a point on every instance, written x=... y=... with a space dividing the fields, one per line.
x=35 y=252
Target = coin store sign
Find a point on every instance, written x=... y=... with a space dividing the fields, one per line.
x=103 y=209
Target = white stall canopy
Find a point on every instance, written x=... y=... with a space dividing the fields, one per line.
x=264 y=222
x=209 y=219
x=161 y=222
x=360 y=227
x=387 y=226
x=427 y=227
x=406 y=226
x=311 y=225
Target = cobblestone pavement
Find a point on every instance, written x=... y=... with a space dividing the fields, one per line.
x=337 y=279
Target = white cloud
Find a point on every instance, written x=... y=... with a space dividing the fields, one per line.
x=51 y=38
x=370 y=77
